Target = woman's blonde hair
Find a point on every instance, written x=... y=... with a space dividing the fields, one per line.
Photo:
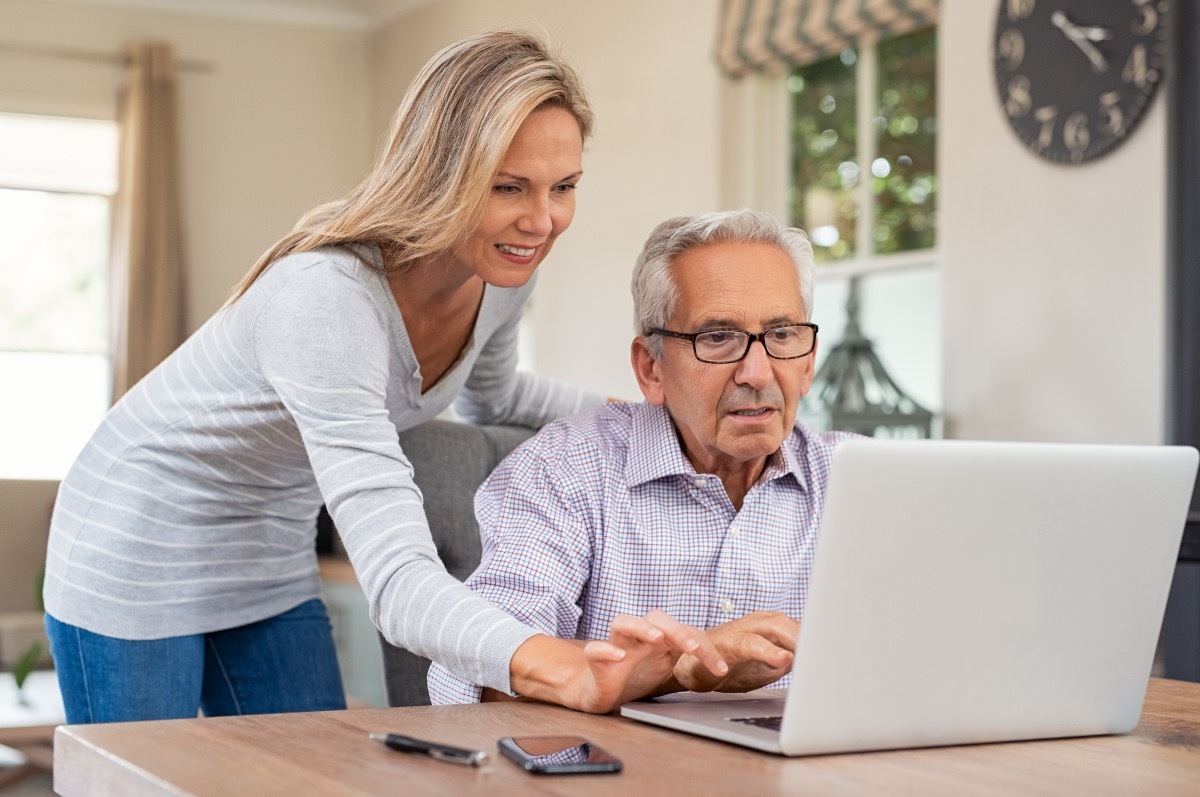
x=448 y=138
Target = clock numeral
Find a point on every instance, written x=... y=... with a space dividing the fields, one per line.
x=1076 y=114
x=1075 y=134
x=1019 y=98
x=1149 y=20
x=1112 y=117
x=1046 y=115
x=1011 y=48
x=1136 y=71
x=1019 y=9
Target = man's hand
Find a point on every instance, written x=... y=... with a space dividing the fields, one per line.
x=759 y=648
x=598 y=678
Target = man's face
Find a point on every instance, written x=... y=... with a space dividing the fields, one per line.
x=734 y=415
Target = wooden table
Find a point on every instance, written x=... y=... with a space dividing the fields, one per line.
x=328 y=753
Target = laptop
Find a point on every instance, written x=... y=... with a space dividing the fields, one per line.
x=968 y=592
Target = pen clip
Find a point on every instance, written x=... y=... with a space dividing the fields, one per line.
x=470 y=758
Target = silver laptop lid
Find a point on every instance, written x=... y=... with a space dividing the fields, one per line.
x=973 y=591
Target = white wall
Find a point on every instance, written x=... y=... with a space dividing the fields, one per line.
x=650 y=78
x=1053 y=276
x=279 y=124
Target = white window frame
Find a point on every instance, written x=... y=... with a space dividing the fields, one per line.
x=756 y=162
x=77 y=184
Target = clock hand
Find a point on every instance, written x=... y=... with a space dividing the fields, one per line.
x=1081 y=39
x=1094 y=33
x=1099 y=64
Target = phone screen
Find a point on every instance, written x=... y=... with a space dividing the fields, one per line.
x=558 y=755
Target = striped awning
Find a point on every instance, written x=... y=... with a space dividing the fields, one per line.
x=776 y=35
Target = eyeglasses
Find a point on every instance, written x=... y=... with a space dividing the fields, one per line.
x=719 y=346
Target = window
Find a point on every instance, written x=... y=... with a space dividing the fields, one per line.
x=863 y=178
x=57 y=177
x=862 y=134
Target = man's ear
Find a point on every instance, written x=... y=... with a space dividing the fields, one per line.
x=646 y=369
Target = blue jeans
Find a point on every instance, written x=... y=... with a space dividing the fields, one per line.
x=283 y=663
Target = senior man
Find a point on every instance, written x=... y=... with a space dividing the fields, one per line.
x=703 y=501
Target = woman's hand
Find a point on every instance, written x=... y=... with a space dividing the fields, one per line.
x=602 y=675
x=759 y=648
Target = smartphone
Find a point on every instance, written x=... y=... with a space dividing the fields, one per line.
x=557 y=755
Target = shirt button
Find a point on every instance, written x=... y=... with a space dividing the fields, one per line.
x=735 y=531
x=701 y=482
x=727 y=606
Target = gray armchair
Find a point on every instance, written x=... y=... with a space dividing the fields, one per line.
x=450 y=461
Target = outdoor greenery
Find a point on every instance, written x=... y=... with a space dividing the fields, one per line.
x=826 y=142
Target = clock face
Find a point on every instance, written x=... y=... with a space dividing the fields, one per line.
x=1076 y=76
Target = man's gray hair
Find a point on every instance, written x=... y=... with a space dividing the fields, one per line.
x=654 y=291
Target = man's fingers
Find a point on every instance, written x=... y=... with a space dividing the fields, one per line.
x=782 y=633
x=774 y=626
x=758 y=648
x=636 y=629
x=603 y=652
x=687 y=639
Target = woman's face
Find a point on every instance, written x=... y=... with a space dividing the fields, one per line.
x=531 y=202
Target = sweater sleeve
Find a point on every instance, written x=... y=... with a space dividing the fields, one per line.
x=323 y=348
x=537 y=547
x=497 y=393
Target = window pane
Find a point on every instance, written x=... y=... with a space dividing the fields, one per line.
x=824 y=151
x=53 y=258
x=899 y=311
x=49 y=407
x=904 y=180
x=55 y=154
x=56 y=178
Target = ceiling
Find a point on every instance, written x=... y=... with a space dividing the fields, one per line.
x=311 y=13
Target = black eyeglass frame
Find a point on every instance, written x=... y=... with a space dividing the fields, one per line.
x=750 y=338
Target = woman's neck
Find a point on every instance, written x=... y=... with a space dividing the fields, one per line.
x=439 y=305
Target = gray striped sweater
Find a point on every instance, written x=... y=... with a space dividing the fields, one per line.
x=193 y=506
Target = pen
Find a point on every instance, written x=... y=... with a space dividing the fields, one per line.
x=442 y=752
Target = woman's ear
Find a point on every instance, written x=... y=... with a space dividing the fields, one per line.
x=646 y=369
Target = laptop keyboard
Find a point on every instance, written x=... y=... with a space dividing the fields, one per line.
x=770 y=723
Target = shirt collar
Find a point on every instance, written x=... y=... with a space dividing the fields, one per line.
x=655 y=451
x=786 y=460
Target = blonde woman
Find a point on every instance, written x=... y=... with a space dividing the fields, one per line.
x=181 y=573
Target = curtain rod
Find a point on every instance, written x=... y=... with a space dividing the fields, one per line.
x=94 y=56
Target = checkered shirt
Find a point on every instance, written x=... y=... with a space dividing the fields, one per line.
x=601 y=514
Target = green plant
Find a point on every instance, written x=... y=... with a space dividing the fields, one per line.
x=25 y=664
x=28 y=660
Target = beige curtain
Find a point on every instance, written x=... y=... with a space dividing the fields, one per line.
x=775 y=35
x=147 y=243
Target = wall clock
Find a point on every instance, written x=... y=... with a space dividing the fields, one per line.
x=1076 y=76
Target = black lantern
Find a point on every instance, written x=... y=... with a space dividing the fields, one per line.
x=852 y=391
